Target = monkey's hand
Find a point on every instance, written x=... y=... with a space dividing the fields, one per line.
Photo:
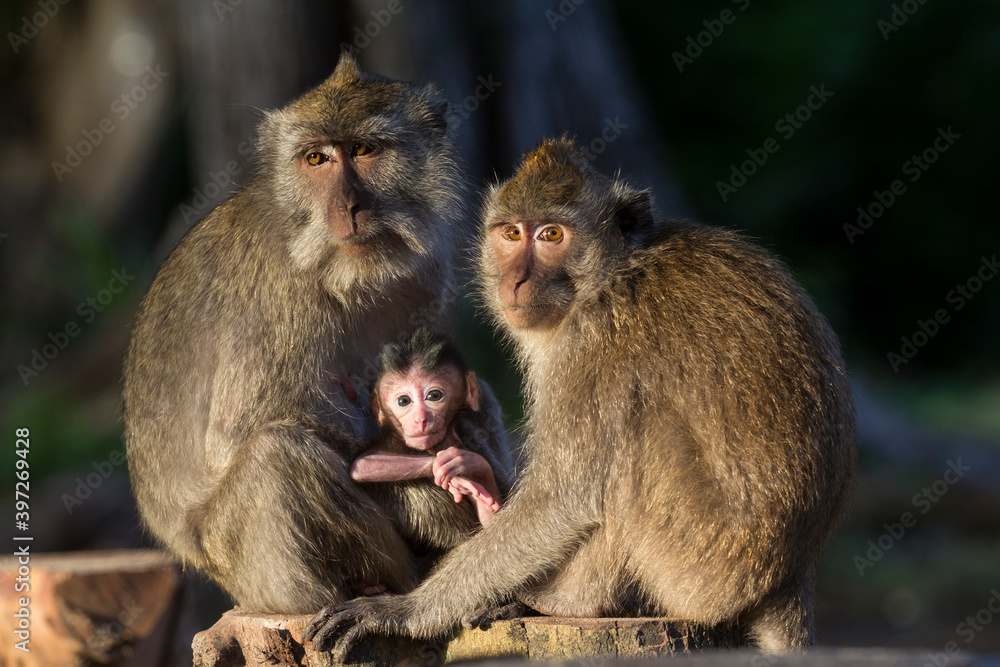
x=487 y=616
x=455 y=462
x=486 y=504
x=355 y=620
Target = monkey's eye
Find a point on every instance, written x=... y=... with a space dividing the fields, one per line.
x=403 y=401
x=511 y=233
x=361 y=149
x=316 y=158
x=435 y=395
x=550 y=234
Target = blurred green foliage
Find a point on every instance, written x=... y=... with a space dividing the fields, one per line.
x=938 y=70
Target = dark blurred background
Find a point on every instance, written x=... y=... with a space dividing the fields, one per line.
x=124 y=122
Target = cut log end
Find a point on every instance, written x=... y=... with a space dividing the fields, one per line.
x=244 y=638
x=93 y=607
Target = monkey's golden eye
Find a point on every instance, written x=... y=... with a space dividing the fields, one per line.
x=435 y=395
x=403 y=401
x=550 y=234
x=511 y=233
x=316 y=158
x=361 y=149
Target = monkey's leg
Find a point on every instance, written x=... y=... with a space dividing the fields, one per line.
x=589 y=585
x=783 y=621
x=288 y=531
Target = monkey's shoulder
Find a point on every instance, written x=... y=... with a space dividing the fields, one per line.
x=688 y=261
x=693 y=279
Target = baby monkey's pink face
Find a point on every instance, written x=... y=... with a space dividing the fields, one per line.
x=421 y=405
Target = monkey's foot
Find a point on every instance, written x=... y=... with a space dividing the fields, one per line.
x=485 y=617
x=355 y=619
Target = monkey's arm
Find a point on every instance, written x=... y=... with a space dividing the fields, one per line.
x=542 y=525
x=380 y=466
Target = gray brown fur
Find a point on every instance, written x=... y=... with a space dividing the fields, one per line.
x=690 y=430
x=239 y=434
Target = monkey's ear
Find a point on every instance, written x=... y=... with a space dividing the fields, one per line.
x=634 y=217
x=472 y=397
x=377 y=408
x=437 y=104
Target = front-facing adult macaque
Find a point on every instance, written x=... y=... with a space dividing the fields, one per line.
x=426 y=400
x=240 y=423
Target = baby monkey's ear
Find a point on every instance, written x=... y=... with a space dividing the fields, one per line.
x=472 y=393
x=377 y=412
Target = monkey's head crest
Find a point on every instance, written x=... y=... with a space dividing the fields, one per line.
x=556 y=179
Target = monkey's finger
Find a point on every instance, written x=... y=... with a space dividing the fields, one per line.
x=485 y=617
x=324 y=639
x=476 y=490
x=456 y=492
x=451 y=469
x=347 y=642
x=318 y=621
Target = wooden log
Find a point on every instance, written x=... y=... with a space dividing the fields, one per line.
x=548 y=638
x=256 y=640
x=270 y=640
x=94 y=607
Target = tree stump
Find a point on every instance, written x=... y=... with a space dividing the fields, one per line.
x=94 y=607
x=243 y=638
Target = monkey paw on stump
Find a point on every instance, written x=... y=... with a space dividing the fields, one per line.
x=243 y=638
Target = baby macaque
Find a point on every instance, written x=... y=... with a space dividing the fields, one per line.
x=425 y=400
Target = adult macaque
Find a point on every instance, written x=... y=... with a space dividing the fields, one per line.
x=690 y=426
x=240 y=420
x=425 y=399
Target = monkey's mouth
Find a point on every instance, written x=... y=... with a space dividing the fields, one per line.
x=426 y=441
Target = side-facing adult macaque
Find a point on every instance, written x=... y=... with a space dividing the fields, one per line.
x=426 y=399
x=690 y=426
x=240 y=421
